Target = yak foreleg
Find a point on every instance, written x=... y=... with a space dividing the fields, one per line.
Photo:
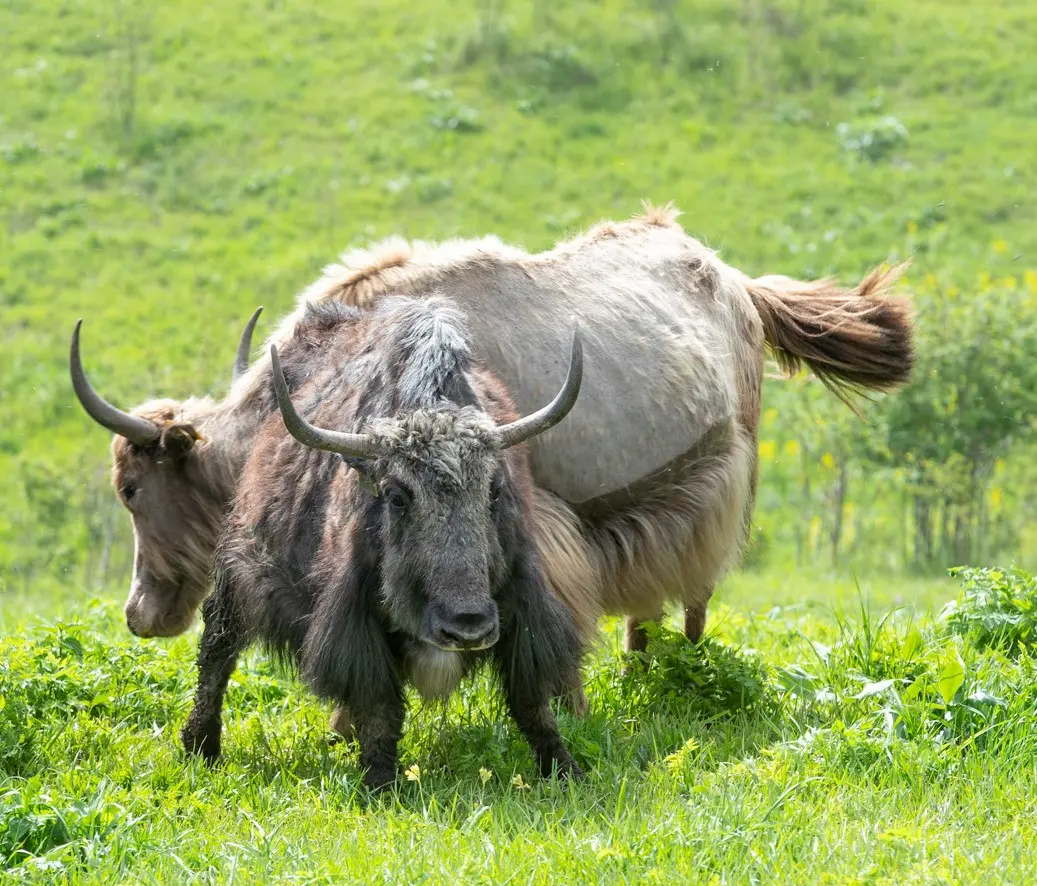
x=537 y=722
x=223 y=639
x=378 y=730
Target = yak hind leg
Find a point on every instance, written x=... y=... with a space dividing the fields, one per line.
x=572 y=696
x=636 y=635
x=695 y=613
x=223 y=639
x=694 y=621
x=637 y=639
x=341 y=723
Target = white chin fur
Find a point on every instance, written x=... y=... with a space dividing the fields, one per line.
x=435 y=672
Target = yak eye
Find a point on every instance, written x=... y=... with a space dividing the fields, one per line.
x=127 y=491
x=397 y=497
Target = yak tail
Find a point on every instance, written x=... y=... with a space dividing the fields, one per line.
x=853 y=339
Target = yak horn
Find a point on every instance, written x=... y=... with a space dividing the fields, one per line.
x=355 y=445
x=244 y=346
x=557 y=409
x=133 y=428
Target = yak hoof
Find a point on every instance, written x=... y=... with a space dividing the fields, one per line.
x=378 y=781
x=567 y=770
x=204 y=742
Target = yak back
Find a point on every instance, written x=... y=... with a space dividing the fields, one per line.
x=672 y=343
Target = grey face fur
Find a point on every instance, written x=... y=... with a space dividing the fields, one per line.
x=437 y=498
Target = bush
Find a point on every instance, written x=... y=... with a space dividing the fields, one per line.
x=996 y=608
x=872 y=140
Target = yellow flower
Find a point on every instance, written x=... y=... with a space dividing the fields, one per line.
x=996 y=496
x=912 y=227
x=768 y=450
x=485 y=774
x=520 y=783
x=1030 y=278
x=1009 y=282
x=999 y=246
x=770 y=415
x=791 y=447
x=413 y=773
x=828 y=460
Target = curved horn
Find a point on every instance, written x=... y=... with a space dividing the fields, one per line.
x=557 y=409
x=244 y=346
x=133 y=428
x=355 y=445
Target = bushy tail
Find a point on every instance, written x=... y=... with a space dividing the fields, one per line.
x=853 y=339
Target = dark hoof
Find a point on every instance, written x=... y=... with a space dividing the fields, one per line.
x=572 y=773
x=378 y=781
x=565 y=768
x=204 y=742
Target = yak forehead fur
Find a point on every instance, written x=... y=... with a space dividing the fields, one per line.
x=446 y=443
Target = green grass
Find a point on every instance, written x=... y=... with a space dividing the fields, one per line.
x=801 y=743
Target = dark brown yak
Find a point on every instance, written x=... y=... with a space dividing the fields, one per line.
x=399 y=548
x=643 y=494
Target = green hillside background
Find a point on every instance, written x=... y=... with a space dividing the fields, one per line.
x=164 y=168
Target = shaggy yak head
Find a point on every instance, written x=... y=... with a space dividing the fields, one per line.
x=443 y=506
x=176 y=487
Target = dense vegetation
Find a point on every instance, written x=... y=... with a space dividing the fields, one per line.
x=166 y=168
x=815 y=745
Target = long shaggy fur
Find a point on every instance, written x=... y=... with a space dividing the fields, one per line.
x=322 y=569
x=651 y=293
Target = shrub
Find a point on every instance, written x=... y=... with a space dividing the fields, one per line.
x=873 y=139
x=996 y=608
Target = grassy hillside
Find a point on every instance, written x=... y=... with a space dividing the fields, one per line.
x=166 y=167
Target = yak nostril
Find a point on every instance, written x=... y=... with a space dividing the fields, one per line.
x=469 y=628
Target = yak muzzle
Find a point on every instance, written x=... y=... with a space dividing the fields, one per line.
x=463 y=628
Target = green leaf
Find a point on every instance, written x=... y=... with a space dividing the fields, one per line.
x=981 y=696
x=871 y=689
x=951 y=676
x=796 y=680
x=912 y=643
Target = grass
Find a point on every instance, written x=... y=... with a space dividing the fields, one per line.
x=799 y=743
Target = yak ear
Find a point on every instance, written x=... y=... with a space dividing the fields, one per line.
x=179 y=439
x=364 y=471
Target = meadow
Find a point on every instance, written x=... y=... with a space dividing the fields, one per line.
x=164 y=169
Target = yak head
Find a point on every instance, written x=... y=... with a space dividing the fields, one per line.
x=447 y=506
x=176 y=485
